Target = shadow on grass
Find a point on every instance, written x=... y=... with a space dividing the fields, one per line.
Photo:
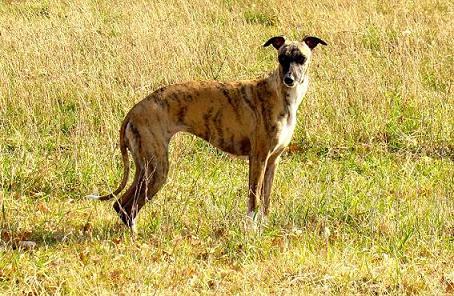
x=68 y=235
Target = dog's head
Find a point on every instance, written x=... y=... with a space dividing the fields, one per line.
x=294 y=57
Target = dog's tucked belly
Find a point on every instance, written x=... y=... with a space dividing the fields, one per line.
x=222 y=134
x=235 y=145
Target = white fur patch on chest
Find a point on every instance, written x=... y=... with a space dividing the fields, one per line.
x=288 y=126
x=289 y=123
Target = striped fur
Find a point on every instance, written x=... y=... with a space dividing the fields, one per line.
x=251 y=118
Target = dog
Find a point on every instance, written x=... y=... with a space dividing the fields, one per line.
x=251 y=118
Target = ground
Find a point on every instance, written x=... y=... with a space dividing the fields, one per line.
x=363 y=201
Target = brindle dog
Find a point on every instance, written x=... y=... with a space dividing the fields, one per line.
x=253 y=118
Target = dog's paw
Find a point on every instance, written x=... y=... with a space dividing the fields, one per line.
x=264 y=221
x=256 y=222
x=252 y=216
x=251 y=222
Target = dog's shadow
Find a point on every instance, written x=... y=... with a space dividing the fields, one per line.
x=80 y=234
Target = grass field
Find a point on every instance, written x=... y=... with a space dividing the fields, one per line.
x=363 y=202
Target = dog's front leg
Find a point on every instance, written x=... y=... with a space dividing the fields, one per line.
x=257 y=165
x=268 y=181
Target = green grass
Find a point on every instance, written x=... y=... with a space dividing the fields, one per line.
x=363 y=202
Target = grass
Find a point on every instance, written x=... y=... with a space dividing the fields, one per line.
x=363 y=200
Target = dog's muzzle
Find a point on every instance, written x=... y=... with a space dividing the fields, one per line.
x=289 y=81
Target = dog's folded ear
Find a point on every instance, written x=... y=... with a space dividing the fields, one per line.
x=312 y=41
x=276 y=41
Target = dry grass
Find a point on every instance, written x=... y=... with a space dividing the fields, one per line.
x=362 y=204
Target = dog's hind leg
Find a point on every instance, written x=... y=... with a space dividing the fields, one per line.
x=152 y=165
x=132 y=192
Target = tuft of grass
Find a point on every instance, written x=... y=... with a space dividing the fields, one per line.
x=362 y=201
x=256 y=17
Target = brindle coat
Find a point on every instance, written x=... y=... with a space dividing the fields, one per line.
x=253 y=118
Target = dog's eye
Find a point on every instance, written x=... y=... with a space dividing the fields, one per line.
x=283 y=60
x=300 y=60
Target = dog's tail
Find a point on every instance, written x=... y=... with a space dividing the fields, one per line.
x=124 y=155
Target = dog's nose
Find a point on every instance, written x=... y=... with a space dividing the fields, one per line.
x=288 y=80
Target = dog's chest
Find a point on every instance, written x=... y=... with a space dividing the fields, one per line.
x=287 y=127
x=287 y=122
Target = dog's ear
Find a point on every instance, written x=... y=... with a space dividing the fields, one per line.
x=312 y=41
x=276 y=41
